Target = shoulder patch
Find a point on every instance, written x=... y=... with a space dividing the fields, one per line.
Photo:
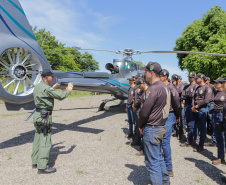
x=173 y=92
x=209 y=90
x=147 y=94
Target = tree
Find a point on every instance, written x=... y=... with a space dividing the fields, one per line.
x=204 y=35
x=65 y=60
x=141 y=64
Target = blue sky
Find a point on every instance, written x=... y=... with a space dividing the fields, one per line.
x=115 y=25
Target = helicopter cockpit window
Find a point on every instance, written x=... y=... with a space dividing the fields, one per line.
x=133 y=66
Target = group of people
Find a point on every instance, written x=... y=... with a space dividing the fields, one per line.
x=159 y=108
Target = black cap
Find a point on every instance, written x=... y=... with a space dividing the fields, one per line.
x=192 y=75
x=131 y=78
x=47 y=72
x=139 y=81
x=164 y=72
x=220 y=80
x=153 y=66
x=206 y=78
x=200 y=75
x=139 y=75
x=174 y=77
x=179 y=77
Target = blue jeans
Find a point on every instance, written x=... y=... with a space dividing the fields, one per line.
x=200 y=123
x=210 y=123
x=131 y=120
x=190 y=119
x=137 y=136
x=220 y=136
x=155 y=164
x=166 y=141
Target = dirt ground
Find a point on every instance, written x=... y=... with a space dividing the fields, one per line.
x=89 y=147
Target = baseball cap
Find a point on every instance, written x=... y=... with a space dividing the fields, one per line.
x=139 y=75
x=174 y=77
x=47 y=72
x=164 y=72
x=200 y=75
x=192 y=75
x=206 y=78
x=139 y=81
x=179 y=77
x=220 y=80
x=153 y=66
x=131 y=78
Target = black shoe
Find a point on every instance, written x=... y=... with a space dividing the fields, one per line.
x=135 y=143
x=223 y=179
x=47 y=170
x=34 y=166
x=186 y=144
x=198 y=149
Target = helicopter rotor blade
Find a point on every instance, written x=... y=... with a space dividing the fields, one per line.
x=76 y=49
x=185 y=52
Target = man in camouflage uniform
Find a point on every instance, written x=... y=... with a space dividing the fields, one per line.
x=44 y=96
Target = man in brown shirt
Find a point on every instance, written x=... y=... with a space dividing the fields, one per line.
x=173 y=118
x=153 y=116
x=201 y=98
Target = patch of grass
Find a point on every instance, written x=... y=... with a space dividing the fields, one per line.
x=81 y=172
x=119 y=147
x=65 y=120
x=200 y=179
x=80 y=94
x=16 y=114
x=99 y=138
x=1 y=102
x=10 y=157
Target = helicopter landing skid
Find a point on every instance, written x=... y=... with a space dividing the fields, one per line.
x=101 y=107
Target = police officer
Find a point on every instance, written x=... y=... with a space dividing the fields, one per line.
x=129 y=107
x=218 y=127
x=210 y=107
x=201 y=98
x=44 y=96
x=174 y=117
x=186 y=97
x=136 y=109
x=153 y=116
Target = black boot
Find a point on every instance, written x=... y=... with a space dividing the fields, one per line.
x=47 y=170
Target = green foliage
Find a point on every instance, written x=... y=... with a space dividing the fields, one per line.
x=205 y=35
x=141 y=64
x=66 y=60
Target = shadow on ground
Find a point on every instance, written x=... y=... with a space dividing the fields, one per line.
x=139 y=175
x=27 y=137
x=210 y=170
x=56 y=151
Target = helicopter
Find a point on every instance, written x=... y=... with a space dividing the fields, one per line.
x=22 y=62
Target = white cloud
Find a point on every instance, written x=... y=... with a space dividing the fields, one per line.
x=65 y=21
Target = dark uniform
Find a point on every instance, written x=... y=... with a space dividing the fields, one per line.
x=174 y=113
x=136 y=103
x=202 y=97
x=153 y=116
x=130 y=113
x=187 y=95
x=44 y=96
x=218 y=126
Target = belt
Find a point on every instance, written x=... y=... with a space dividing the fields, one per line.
x=154 y=126
x=218 y=111
x=39 y=110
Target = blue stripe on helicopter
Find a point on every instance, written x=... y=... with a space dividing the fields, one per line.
x=18 y=24
x=16 y=36
x=121 y=83
x=18 y=8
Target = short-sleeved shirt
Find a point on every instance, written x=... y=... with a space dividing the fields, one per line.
x=219 y=100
